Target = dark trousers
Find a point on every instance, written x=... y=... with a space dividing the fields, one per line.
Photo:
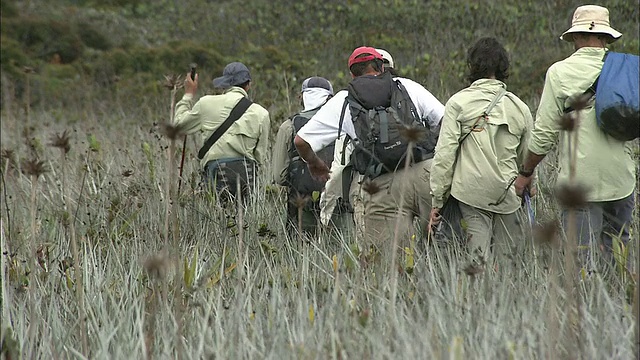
x=223 y=176
x=597 y=225
x=302 y=210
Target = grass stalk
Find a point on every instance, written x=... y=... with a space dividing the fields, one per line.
x=636 y=315
x=570 y=251
x=6 y=313
x=240 y=226
x=27 y=95
x=82 y=313
x=33 y=319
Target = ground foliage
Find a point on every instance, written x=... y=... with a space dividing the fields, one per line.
x=83 y=154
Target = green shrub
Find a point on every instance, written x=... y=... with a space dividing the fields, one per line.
x=60 y=71
x=8 y=9
x=43 y=38
x=12 y=58
x=91 y=37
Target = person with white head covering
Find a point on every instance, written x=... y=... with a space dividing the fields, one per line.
x=287 y=167
x=605 y=166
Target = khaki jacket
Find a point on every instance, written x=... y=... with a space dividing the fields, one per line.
x=248 y=137
x=604 y=165
x=280 y=158
x=480 y=171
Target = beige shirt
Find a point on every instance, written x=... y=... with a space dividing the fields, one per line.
x=247 y=137
x=603 y=164
x=488 y=158
x=280 y=158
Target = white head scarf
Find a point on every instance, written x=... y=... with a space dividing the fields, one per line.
x=314 y=97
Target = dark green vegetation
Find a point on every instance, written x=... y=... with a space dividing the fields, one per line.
x=120 y=49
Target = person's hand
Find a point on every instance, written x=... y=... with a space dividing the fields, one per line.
x=190 y=85
x=524 y=183
x=434 y=217
x=318 y=169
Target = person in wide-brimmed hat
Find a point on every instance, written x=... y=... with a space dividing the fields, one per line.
x=243 y=146
x=591 y=19
x=606 y=168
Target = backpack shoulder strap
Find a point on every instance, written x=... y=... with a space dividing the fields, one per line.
x=405 y=94
x=485 y=113
x=237 y=111
x=495 y=101
x=344 y=109
x=591 y=90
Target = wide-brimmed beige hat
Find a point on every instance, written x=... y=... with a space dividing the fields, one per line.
x=591 y=19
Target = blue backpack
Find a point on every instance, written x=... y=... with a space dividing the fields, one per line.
x=618 y=96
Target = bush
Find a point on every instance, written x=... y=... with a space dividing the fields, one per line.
x=8 y=9
x=91 y=37
x=42 y=38
x=12 y=58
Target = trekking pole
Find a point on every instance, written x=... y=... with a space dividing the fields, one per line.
x=184 y=146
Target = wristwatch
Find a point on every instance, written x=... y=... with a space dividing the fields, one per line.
x=525 y=173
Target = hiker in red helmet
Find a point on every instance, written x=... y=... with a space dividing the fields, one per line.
x=392 y=121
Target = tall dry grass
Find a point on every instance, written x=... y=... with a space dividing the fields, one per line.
x=249 y=290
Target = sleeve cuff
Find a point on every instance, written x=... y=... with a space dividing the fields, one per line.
x=537 y=149
x=437 y=203
x=187 y=97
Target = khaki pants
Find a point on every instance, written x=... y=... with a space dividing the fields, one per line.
x=491 y=234
x=404 y=193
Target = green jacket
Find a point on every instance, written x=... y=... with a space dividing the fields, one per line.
x=280 y=158
x=284 y=141
x=480 y=171
x=247 y=137
x=603 y=164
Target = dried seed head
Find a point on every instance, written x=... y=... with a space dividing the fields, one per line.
x=547 y=233
x=473 y=269
x=157 y=266
x=28 y=70
x=173 y=81
x=42 y=255
x=568 y=121
x=172 y=131
x=581 y=101
x=34 y=167
x=572 y=196
x=61 y=141
x=65 y=264
x=300 y=201
x=370 y=187
x=412 y=133
x=9 y=155
x=127 y=173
